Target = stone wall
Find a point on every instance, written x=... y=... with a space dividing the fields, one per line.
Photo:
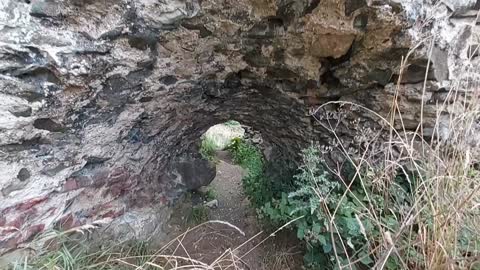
x=98 y=99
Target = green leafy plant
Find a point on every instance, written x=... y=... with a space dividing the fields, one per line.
x=335 y=223
x=245 y=154
x=256 y=185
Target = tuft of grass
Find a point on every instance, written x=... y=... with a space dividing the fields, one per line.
x=210 y=194
x=280 y=259
x=198 y=214
x=246 y=154
x=72 y=253
x=207 y=149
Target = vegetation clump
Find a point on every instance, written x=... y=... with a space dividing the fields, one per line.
x=407 y=205
x=198 y=214
x=210 y=194
x=207 y=149
x=333 y=218
x=365 y=216
x=258 y=188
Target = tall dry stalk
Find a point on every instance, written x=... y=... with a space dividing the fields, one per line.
x=441 y=227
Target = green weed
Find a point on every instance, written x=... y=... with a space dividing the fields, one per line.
x=331 y=216
x=210 y=194
x=207 y=149
x=197 y=215
x=257 y=186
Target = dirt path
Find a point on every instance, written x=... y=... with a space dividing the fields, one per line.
x=233 y=206
x=236 y=248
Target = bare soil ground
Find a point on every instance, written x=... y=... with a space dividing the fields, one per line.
x=231 y=248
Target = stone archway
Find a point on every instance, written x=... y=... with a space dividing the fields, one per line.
x=97 y=98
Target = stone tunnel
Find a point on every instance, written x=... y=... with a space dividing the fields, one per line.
x=99 y=99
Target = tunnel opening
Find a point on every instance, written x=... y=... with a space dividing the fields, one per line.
x=239 y=154
x=228 y=142
x=263 y=176
x=219 y=137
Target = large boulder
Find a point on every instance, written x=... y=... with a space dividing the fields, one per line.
x=194 y=173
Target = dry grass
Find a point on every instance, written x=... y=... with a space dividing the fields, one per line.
x=69 y=253
x=66 y=252
x=281 y=254
x=280 y=259
x=440 y=229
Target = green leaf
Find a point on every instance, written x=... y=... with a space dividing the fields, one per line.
x=327 y=248
x=322 y=239
x=301 y=232
x=365 y=258
x=350 y=244
x=352 y=225
x=316 y=228
x=392 y=263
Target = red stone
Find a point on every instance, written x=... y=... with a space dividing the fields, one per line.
x=99 y=178
x=17 y=222
x=52 y=244
x=33 y=231
x=30 y=203
x=112 y=214
x=22 y=217
x=64 y=222
x=114 y=190
x=3 y=221
x=69 y=185
x=67 y=222
x=120 y=188
x=94 y=211
x=51 y=211
x=11 y=242
x=118 y=175
x=163 y=200
x=84 y=181
x=7 y=231
x=140 y=199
